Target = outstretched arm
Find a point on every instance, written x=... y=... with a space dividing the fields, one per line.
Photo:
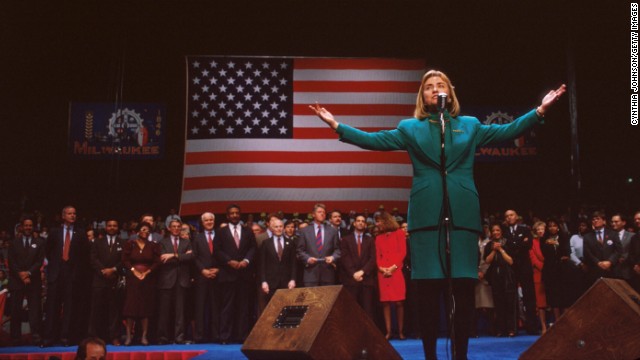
x=551 y=97
x=325 y=115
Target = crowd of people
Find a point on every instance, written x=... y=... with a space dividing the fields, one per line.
x=163 y=281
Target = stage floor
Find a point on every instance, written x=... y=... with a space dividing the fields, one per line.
x=489 y=348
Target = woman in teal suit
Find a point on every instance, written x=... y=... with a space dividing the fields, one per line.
x=420 y=137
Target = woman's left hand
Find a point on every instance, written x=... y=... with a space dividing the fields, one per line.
x=551 y=98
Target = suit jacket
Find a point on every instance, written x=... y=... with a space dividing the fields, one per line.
x=226 y=250
x=520 y=241
x=176 y=270
x=78 y=255
x=623 y=270
x=104 y=256
x=320 y=271
x=274 y=271
x=610 y=250
x=634 y=255
x=203 y=258
x=29 y=259
x=350 y=262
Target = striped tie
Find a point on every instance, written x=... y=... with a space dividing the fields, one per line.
x=319 y=240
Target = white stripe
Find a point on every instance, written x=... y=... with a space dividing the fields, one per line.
x=269 y=169
x=312 y=121
x=270 y=194
x=354 y=98
x=291 y=145
x=356 y=75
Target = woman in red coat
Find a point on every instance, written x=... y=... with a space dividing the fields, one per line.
x=391 y=248
x=537 y=260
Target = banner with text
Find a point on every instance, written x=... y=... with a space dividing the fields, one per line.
x=104 y=130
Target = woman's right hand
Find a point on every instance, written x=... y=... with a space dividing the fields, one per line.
x=324 y=115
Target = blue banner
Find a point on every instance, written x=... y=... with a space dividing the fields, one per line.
x=129 y=131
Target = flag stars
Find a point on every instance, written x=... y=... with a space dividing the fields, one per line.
x=238 y=122
x=265 y=97
x=229 y=113
x=273 y=122
x=220 y=122
x=222 y=72
x=265 y=114
x=274 y=106
x=231 y=65
x=196 y=64
x=283 y=65
x=257 y=89
x=240 y=73
x=247 y=97
x=248 y=65
x=274 y=73
x=283 y=130
x=205 y=88
x=213 y=96
x=231 y=97
x=229 y=129
x=212 y=130
x=240 y=89
x=274 y=89
x=231 y=81
x=256 y=105
x=283 y=98
x=283 y=81
x=196 y=81
x=213 y=113
x=265 y=65
x=195 y=113
x=248 y=81
x=239 y=105
x=204 y=122
x=194 y=130
x=223 y=88
x=195 y=97
x=257 y=73
x=283 y=114
x=222 y=105
x=213 y=81
x=265 y=130
x=265 y=82
x=247 y=129
x=255 y=122
x=213 y=64
x=247 y=113
x=205 y=72
x=205 y=105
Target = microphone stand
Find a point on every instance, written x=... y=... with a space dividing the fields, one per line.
x=446 y=217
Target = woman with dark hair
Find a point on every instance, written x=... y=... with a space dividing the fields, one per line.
x=498 y=253
x=141 y=257
x=391 y=250
x=420 y=136
x=556 y=250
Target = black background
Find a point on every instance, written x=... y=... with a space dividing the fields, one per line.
x=495 y=53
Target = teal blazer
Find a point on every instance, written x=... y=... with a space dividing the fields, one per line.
x=421 y=139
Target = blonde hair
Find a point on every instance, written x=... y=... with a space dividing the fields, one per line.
x=453 y=105
x=388 y=222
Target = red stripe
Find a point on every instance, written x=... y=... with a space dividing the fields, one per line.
x=224 y=157
x=356 y=86
x=392 y=64
x=297 y=182
x=358 y=109
x=324 y=133
x=302 y=207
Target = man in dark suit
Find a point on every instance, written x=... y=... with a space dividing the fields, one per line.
x=26 y=254
x=106 y=294
x=318 y=250
x=235 y=250
x=519 y=238
x=602 y=249
x=67 y=253
x=174 y=278
x=358 y=265
x=277 y=262
x=207 y=311
x=619 y=225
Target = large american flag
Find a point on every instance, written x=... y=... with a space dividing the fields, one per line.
x=253 y=141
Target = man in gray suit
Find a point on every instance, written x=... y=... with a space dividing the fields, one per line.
x=619 y=225
x=173 y=280
x=318 y=250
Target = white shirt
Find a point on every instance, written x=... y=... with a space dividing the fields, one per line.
x=577 y=248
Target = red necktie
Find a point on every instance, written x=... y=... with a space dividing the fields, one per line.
x=175 y=245
x=278 y=240
x=67 y=245
x=210 y=243
x=600 y=236
x=359 y=244
x=319 y=240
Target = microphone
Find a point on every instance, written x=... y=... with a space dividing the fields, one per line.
x=442 y=101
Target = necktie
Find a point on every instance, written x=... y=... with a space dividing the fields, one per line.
x=175 y=244
x=26 y=243
x=210 y=242
x=109 y=241
x=236 y=237
x=359 y=244
x=319 y=240
x=279 y=241
x=67 y=245
x=600 y=236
